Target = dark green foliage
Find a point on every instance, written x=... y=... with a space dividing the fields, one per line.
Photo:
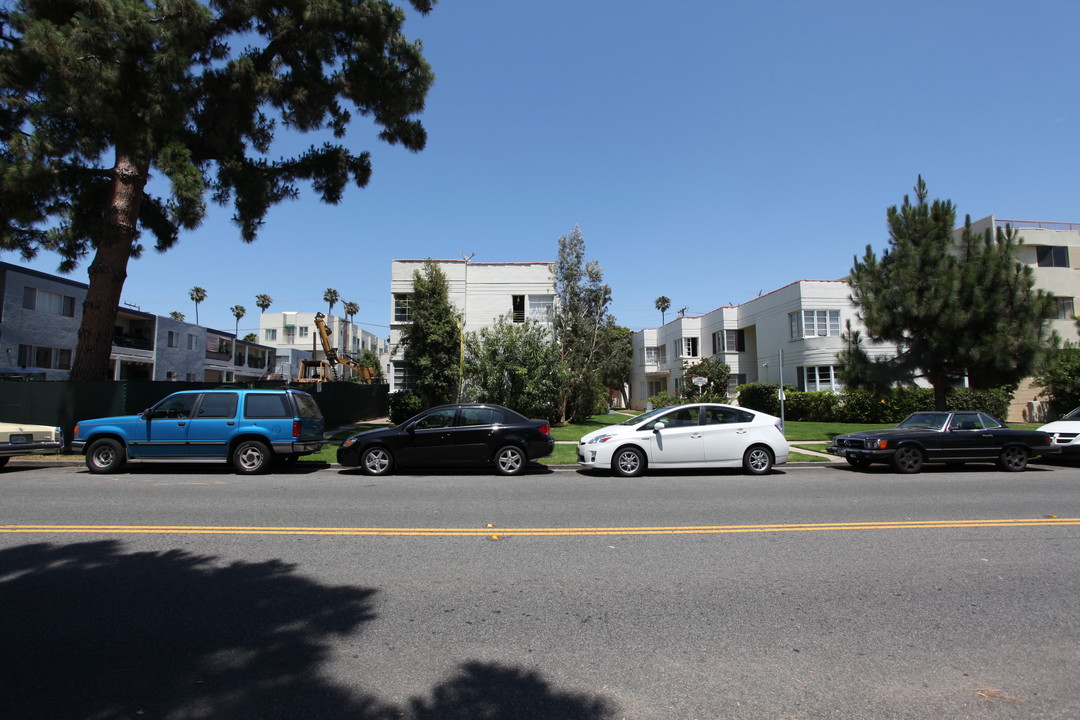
x=403 y=405
x=98 y=95
x=713 y=369
x=762 y=396
x=952 y=308
x=515 y=365
x=1060 y=382
x=432 y=341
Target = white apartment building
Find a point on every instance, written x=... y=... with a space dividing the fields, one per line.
x=481 y=291
x=293 y=335
x=804 y=321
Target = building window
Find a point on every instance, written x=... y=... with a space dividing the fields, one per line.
x=655 y=387
x=814 y=323
x=650 y=355
x=48 y=302
x=289 y=335
x=190 y=377
x=191 y=344
x=174 y=339
x=541 y=307
x=820 y=377
x=304 y=331
x=1064 y=308
x=517 y=307
x=44 y=357
x=734 y=381
x=735 y=341
x=687 y=347
x=1052 y=256
x=404 y=378
x=402 y=308
x=271 y=334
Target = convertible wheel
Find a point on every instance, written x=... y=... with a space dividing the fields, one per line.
x=908 y=459
x=758 y=460
x=510 y=460
x=251 y=457
x=628 y=462
x=105 y=456
x=1013 y=459
x=857 y=461
x=377 y=461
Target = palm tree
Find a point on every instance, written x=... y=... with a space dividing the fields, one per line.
x=350 y=309
x=263 y=302
x=663 y=304
x=238 y=312
x=177 y=315
x=331 y=296
x=197 y=294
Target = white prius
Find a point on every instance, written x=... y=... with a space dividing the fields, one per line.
x=702 y=435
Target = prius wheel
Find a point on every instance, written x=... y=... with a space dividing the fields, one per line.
x=628 y=462
x=1013 y=459
x=510 y=461
x=377 y=461
x=908 y=459
x=757 y=460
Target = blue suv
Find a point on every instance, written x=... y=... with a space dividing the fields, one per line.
x=249 y=428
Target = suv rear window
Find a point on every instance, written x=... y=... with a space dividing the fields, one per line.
x=306 y=405
x=267 y=405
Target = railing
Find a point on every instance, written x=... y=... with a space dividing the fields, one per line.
x=1037 y=225
x=127 y=341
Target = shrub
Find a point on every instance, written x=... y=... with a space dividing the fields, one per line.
x=403 y=405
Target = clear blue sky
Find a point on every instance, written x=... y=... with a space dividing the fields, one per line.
x=708 y=150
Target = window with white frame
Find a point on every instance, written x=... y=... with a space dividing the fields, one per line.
x=173 y=339
x=817 y=377
x=404 y=376
x=304 y=331
x=734 y=341
x=650 y=355
x=688 y=347
x=814 y=323
x=402 y=307
x=734 y=381
x=271 y=334
x=541 y=307
x=48 y=302
x=191 y=343
x=655 y=387
x=1064 y=308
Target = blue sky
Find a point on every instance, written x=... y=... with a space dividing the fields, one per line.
x=709 y=150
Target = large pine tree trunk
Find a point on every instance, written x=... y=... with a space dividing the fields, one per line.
x=108 y=272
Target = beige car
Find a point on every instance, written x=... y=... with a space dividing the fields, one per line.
x=19 y=439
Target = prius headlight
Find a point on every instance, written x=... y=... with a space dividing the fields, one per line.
x=601 y=438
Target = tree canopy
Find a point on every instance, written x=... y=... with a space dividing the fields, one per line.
x=515 y=364
x=953 y=308
x=99 y=95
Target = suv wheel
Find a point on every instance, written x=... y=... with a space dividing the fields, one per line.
x=105 y=456
x=251 y=457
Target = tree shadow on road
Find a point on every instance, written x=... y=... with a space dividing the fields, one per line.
x=88 y=630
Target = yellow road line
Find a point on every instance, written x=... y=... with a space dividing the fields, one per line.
x=521 y=532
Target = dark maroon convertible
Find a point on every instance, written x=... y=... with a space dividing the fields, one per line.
x=944 y=437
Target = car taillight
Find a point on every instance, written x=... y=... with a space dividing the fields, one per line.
x=545 y=428
x=296 y=428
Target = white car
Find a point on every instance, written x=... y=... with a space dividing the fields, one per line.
x=1066 y=432
x=687 y=436
x=23 y=439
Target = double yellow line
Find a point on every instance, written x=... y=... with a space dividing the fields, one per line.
x=496 y=533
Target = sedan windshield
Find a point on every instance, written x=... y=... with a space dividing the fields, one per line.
x=929 y=420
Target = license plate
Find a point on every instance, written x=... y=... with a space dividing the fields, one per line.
x=16 y=439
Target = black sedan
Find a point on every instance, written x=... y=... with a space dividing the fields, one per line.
x=451 y=435
x=948 y=437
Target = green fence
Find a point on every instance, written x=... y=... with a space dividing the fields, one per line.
x=64 y=403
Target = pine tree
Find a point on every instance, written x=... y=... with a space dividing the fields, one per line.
x=100 y=95
x=952 y=308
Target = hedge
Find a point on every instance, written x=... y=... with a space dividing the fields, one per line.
x=866 y=406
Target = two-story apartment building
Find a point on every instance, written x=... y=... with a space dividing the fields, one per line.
x=802 y=322
x=39 y=323
x=481 y=291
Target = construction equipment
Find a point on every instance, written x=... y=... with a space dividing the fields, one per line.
x=324 y=371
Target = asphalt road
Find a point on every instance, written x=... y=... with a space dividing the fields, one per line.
x=814 y=592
